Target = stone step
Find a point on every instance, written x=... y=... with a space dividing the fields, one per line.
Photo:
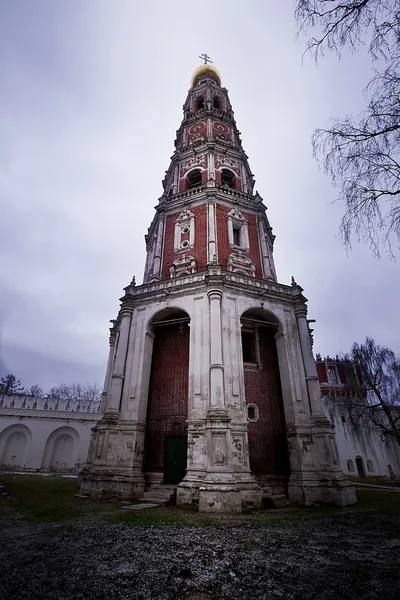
x=276 y=500
x=159 y=493
x=154 y=500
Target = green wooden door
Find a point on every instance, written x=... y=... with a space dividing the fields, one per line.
x=175 y=458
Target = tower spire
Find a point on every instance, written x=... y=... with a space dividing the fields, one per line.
x=210 y=377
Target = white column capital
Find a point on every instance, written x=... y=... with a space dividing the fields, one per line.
x=301 y=311
x=215 y=294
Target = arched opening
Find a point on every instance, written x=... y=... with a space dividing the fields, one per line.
x=165 y=455
x=228 y=178
x=194 y=178
x=217 y=103
x=14 y=442
x=370 y=466
x=200 y=103
x=360 y=466
x=350 y=466
x=268 y=447
x=61 y=449
x=62 y=455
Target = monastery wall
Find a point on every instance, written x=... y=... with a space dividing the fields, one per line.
x=45 y=434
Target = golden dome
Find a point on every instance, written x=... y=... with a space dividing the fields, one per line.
x=203 y=71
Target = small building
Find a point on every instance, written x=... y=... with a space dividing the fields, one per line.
x=364 y=449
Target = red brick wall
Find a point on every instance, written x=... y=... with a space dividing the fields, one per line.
x=223 y=240
x=268 y=448
x=200 y=240
x=168 y=394
x=321 y=371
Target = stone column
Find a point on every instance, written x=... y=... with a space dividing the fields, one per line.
x=212 y=247
x=217 y=396
x=211 y=167
x=310 y=369
x=157 y=255
x=264 y=250
x=104 y=395
x=118 y=375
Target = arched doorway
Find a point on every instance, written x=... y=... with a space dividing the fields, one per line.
x=167 y=410
x=61 y=449
x=15 y=441
x=268 y=448
x=62 y=455
x=360 y=466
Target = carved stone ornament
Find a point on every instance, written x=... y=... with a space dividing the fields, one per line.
x=185 y=265
x=239 y=263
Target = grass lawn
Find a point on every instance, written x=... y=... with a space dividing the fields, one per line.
x=38 y=499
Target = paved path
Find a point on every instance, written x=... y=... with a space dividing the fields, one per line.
x=385 y=488
x=326 y=559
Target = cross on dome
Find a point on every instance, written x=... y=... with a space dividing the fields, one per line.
x=206 y=58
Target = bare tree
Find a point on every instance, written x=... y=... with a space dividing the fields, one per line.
x=36 y=391
x=11 y=385
x=76 y=392
x=379 y=371
x=361 y=153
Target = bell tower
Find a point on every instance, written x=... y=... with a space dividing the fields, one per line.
x=211 y=382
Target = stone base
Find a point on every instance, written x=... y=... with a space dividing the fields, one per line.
x=109 y=486
x=229 y=498
x=188 y=492
x=309 y=490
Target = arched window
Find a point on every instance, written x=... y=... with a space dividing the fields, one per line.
x=350 y=466
x=199 y=103
x=217 y=103
x=228 y=178
x=360 y=466
x=194 y=178
x=370 y=466
x=236 y=234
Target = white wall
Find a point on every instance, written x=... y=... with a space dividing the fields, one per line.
x=368 y=445
x=43 y=439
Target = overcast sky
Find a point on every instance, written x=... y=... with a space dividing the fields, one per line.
x=91 y=94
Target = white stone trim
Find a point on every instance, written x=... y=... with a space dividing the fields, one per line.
x=185 y=219
x=236 y=220
x=256 y=412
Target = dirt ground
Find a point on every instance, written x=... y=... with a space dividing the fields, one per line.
x=354 y=558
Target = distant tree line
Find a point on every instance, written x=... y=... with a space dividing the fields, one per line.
x=74 y=391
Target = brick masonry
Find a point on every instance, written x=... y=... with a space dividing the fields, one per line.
x=168 y=395
x=199 y=252
x=223 y=240
x=268 y=447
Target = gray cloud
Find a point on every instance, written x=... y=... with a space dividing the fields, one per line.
x=91 y=98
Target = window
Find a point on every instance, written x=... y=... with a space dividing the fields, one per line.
x=370 y=466
x=248 y=346
x=228 y=178
x=217 y=103
x=343 y=418
x=331 y=371
x=350 y=465
x=194 y=178
x=253 y=413
x=200 y=103
x=236 y=235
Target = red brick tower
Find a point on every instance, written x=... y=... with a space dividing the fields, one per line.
x=211 y=382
